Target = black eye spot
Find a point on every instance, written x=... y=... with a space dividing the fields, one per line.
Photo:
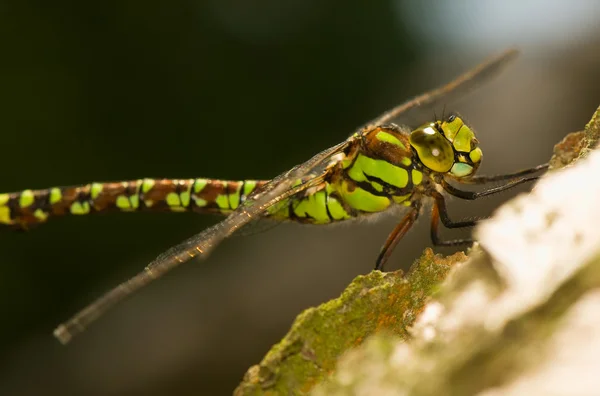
x=451 y=118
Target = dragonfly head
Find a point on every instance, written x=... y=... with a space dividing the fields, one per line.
x=447 y=146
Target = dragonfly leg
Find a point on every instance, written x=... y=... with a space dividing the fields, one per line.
x=440 y=213
x=471 y=195
x=395 y=236
x=487 y=179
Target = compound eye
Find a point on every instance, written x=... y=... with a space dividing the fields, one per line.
x=434 y=150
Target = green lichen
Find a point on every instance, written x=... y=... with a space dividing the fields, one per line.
x=377 y=302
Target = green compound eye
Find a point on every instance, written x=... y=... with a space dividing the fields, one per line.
x=434 y=150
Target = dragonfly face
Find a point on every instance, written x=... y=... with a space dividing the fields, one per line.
x=447 y=146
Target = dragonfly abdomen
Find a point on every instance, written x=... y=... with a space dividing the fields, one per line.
x=30 y=207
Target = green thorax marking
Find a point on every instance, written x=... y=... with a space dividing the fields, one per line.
x=379 y=170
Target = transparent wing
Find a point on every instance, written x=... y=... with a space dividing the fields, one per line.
x=202 y=244
x=455 y=88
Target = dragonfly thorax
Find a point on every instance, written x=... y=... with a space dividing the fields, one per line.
x=447 y=146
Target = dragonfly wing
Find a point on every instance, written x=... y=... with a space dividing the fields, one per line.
x=277 y=190
x=200 y=245
x=455 y=88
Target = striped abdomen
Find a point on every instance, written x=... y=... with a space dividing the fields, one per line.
x=30 y=207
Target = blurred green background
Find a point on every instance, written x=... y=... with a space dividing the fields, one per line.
x=101 y=91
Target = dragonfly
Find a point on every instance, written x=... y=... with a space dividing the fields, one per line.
x=381 y=167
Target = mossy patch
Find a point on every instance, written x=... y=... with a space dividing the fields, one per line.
x=376 y=302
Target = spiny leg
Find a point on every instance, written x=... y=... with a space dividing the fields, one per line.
x=487 y=179
x=471 y=195
x=439 y=212
x=395 y=236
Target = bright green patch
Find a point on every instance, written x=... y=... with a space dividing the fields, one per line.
x=363 y=200
x=95 y=190
x=80 y=208
x=222 y=201
x=462 y=141
x=135 y=201
x=123 y=202
x=461 y=170
x=451 y=128
x=336 y=209
x=200 y=202
x=147 y=185
x=40 y=215
x=389 y=138
x=234 y=198
x=5 y=215
x=476 y=155
x=249 y=186
x=406 y=161
x=417 y=177
x=381 y=169
x=26 y=199
x=4 y=198
x=313 y=206
x=199 y=185
x=401 y=198
x=135 y=198
x=185 y=198
x=378 y=187
x=55 y=195
x=173 y=199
